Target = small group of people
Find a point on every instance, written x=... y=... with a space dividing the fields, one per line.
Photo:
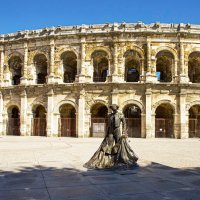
x=114 y=150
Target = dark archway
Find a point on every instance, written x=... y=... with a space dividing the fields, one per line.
x=69 y=61
x=100 y=66
x=164 y=121
x=13 y=121
x=132 y=114
x=67 y=120
x=194 y=67
x=164 y=66
x=39 y=121
x=15 y=65
x=99 y=113
x=132 y=66
x=40 y=62
x=194 y=121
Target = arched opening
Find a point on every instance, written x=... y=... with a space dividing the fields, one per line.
x=39 y=121
x=15 y=65
x=100 y=66
x=69 y=61
x=194 y=67
x=132 y=114
x=99 y=113
x=40 y=62
x=132 y=66
x=13 y=121
x=164 y=65
x=194 y=121
x=164 y=121
x=67 y=121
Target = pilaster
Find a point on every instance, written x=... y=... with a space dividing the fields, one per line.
x=23 y=115
x=23 y=79
x=184 y=129
x=50 y=117
x=1 y=65
x=81 y=114
x=51 y=67
x=82 y=61
x=149 y=133
x=1 y=114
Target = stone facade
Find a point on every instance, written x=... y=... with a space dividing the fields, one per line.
x=153 y=68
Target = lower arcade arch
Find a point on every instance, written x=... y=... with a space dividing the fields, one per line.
x=67 y=121
x=99 y=120
x=164 y=121
x=13 y=126
x=132 y=114
x=39 y=121
x=194 y=121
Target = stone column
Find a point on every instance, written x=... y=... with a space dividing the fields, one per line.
x=1 y=65
x=151 y=64
x=29 y=124
x=50 y=106
x=81 y=114
x=183 y=76
x=143 y=134
x=82 y=62
x=149 y=133
x=23 y=79
x=142 y=72
x=51 y=67
x=175 y=78
x=23 y=114
x=184 y=132
x=1 y=114
x=115 y=93
x=115 y=64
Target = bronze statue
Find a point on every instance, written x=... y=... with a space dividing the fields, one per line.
x=114 y=151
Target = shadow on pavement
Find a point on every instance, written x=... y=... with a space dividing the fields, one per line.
x=153 y=181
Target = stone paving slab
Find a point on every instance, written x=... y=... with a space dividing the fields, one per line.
x=28 y=194
x=52 y=169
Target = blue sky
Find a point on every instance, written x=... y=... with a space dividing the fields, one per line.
x=24 y=15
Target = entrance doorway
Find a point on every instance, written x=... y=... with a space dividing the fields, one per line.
x=39 y=121
x=194 y=121
x=13 y=121
x=164 y=121
x=132 y=114
x=67 y=121
x=99 y=120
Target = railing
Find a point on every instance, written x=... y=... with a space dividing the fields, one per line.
x=39 y=127
x=194 y=127
x=164 y=128
x=13 y=126
x=133 y=126
x=99 y=79
x=67 y=127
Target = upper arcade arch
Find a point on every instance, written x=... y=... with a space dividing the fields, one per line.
x=69 y=64
x=100 y=62
x=133 y=66
x=194 y=67
x=15 y=64
x=165 y=64
x=41 y=68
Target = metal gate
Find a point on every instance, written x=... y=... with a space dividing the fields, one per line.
x=99 y=127
x=39 y=126
x=133 y=127
x=13 y=126
x=194 y=127
x=67 y=127
x=164 y=128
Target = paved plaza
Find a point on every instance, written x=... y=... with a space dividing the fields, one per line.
x=40 y=168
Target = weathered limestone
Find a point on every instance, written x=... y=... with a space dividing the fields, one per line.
x=144 y=65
